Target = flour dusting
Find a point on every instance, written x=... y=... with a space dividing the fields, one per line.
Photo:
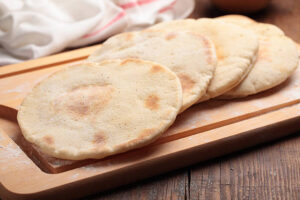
x=236 y=113
x=74 y=176
x=19 y=89
x=206 y=140
x=259 y=104
x=205 y=117
x=10 y=152
x=90 y=168
x=97 y=166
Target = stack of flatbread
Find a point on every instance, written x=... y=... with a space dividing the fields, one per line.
x=130 y=91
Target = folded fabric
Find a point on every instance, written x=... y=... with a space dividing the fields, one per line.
x=34 y=28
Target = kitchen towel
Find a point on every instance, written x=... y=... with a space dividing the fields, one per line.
x=34 y=28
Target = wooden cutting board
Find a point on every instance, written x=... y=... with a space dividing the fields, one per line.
x=202 y=132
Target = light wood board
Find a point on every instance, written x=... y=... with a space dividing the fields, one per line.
x=202 y=132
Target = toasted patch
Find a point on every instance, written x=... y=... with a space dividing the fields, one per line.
x=210 y=58
x=264 y=53
x=186 y=82
x=155 y=69
x=147 y=132
x=129 y=36
x=130 y=60
x=152 y=102
x=48 y=139
x=99 y=138
x=171 y=36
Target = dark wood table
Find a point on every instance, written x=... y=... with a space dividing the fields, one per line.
x=268 y=171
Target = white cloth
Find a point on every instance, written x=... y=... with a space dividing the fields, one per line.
x=33 y=28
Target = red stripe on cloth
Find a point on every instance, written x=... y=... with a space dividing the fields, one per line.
x=167 y=7
x=114 y=20
x=122 y=14
x=134 y=4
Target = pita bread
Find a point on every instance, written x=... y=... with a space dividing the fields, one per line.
x=94 y=110
x=277 y=59
x=191 y=56
x=236 y=49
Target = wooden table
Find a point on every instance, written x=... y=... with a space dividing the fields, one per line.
x=269 y=171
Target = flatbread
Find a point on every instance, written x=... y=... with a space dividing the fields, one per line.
x=191 y=56
x=277 y=59
x=94 y=110
x=236 y=49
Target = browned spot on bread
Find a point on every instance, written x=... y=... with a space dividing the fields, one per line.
x=209 y=58
x=84 y=100
x=207 y=47
x=128 y=60
x=48 y=139
x=147 y=132
x=171 y=36
x=79 y=108
x=263 y=53
x=152 y=101
x=186 y=82
x=99 y=138
x=156 y=68
x=124 y=62
x=219 y=53
x=128 y=36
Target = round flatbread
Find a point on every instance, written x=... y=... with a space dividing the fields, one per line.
x=191 y=56
x=277 y=59
x=94 y=110
x=236 y=49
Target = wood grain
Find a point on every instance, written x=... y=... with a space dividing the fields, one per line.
x=266 y=172
x=168 y=186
